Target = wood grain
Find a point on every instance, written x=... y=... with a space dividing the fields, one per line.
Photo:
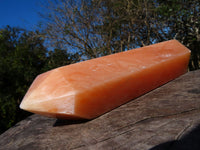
x=163 y=118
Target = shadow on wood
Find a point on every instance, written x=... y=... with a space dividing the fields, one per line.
x=191 y=141
x=62 y=122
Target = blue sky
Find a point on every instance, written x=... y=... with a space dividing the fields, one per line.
x=19 y=13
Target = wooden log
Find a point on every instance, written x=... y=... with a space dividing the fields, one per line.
x=167 y=117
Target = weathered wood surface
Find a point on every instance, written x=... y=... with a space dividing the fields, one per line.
x=165 y=118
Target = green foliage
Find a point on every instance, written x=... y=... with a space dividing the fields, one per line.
x=7 y=111
x=59 y=58
x=22 y=58
x=22 y=55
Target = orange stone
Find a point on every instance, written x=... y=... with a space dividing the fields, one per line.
x=91 y=88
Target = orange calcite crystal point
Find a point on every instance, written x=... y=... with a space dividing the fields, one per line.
x=88 y=89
